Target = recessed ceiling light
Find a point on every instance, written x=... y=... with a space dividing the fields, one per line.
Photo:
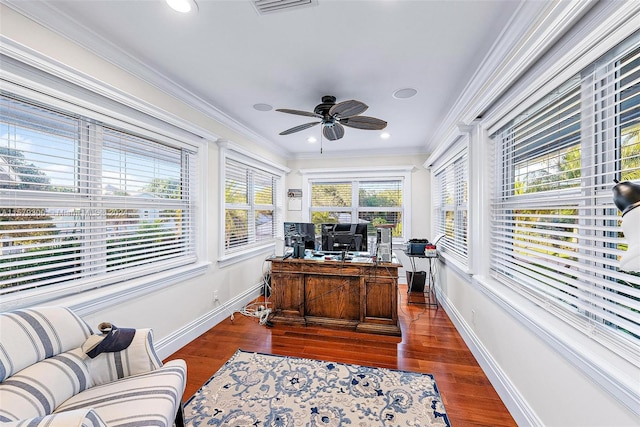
x=404 y=93
x=385 y=135
x=263 y=107
x=312 y=139
x=183 y=6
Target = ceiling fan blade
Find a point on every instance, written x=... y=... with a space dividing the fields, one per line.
x=299 y=128
x=298 y=112
x=364 y=122
x=348 y=108
x=333 y=132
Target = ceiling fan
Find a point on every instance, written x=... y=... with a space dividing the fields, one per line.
x=334 y=117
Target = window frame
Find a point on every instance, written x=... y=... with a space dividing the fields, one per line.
x=456 y=251
x=584 y=344
x=234 y=152
x=594 y=184
x=403 y=173
x=100 y=104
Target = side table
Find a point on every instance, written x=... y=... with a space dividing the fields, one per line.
x=429 y=288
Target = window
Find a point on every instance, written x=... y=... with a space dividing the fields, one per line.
x=375 y=201
x=555 y=230
x=252 y=207
x=450 y=204
x=85 y=200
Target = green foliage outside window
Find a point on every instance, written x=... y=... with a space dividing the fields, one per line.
x=165 y=188
x=32 y=235
x=333 y=203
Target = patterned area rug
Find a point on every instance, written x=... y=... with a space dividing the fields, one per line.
x=263 y=390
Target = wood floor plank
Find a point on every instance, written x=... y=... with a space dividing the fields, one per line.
x=429 y=344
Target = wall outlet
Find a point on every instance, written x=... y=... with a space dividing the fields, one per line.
x=473 y=318
x=215 y=296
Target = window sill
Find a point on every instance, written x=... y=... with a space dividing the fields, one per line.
x=608 y=361
x=236 y=257
x=455 y=264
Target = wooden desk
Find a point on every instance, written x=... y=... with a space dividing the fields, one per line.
x=360 y=296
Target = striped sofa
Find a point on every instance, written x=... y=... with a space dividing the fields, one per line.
x=48 y=380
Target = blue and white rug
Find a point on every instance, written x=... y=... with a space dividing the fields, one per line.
x=263 y=390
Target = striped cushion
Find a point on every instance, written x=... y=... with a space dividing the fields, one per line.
x=38 y=390
x=150 y=399
x=78 y=418
x=31 y=335
x=138 y=358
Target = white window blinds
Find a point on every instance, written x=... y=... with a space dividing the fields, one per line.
x=251 y=214
x=80 y=199
x=450 y=204
x=148 y=212
x=375 y=202
x=555 y=230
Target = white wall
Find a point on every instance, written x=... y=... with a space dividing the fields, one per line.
x=547 y=372
x=420 y=178
x=420 y=215
x=179 y=311
x=539 y=384
x=184 y=308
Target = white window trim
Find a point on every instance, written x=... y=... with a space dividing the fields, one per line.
x=605 y=360
x=436 y=164
x=602 y=37
x=25 y=68
x=360 y=174
x=607 y=364
x=230 y=150
x=34 y=76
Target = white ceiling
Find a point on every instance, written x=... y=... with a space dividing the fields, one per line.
x=229 y=57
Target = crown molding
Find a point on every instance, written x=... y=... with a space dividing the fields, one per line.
x=532 y=30
x=612 y=24
x=25 y=68
x=384 y=152
x=264 y=163
x=50 y=17
x=358 y=171
x=447 y=152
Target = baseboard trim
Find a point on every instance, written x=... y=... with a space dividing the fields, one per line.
x=513 y=400
x=173 y=342
x=517 y=405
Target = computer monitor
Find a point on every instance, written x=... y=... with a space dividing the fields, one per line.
x=344 y=237
x=300 y=232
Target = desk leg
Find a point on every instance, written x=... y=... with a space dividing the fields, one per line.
x=432 y=282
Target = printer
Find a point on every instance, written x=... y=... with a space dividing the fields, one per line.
x=417 y=246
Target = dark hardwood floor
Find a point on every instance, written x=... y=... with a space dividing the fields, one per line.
x=429 y=344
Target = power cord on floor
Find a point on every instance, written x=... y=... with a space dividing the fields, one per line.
x=260 y=310
x=406 y=313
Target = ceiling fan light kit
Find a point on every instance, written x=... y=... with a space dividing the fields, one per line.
x=334 y=117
